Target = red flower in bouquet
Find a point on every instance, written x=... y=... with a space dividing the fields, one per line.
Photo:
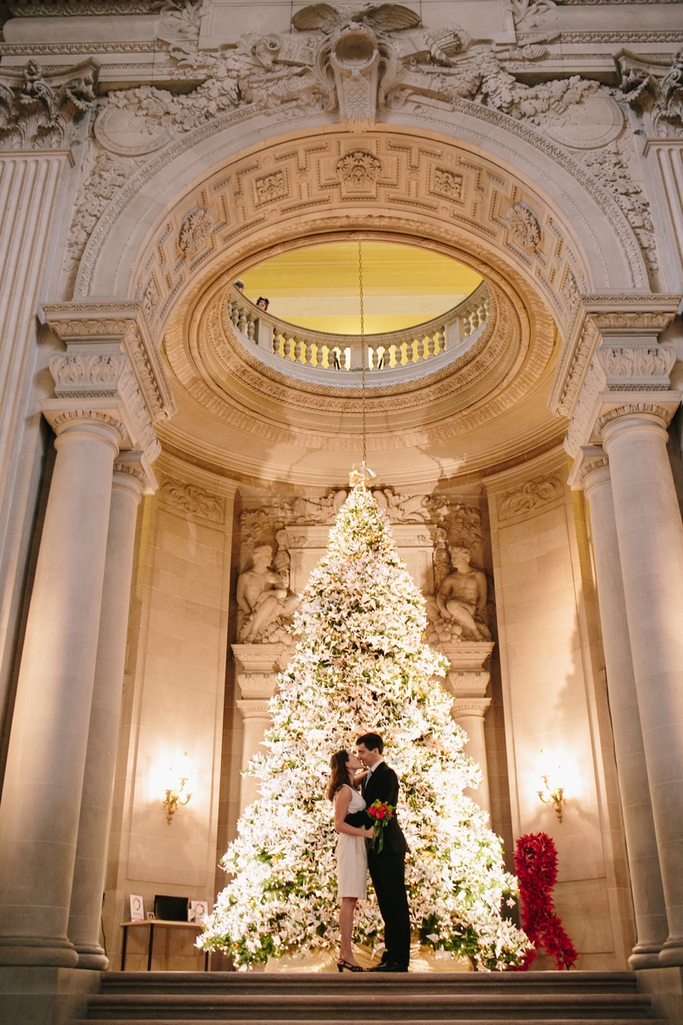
x=382 y=813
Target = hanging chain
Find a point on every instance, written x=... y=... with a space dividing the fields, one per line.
x=362 y=348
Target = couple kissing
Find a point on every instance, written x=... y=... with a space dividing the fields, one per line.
x=370 y=839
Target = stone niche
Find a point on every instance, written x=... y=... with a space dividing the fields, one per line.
x=281 y=540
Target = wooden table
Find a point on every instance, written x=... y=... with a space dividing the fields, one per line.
x=153 y=924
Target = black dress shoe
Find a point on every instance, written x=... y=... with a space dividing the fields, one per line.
x=389 y=966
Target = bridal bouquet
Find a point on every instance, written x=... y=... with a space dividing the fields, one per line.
x=382 y=814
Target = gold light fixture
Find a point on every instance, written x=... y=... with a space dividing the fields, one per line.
x=178 y=791
x=552 y=789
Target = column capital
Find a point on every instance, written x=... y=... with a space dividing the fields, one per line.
x=591 y=467
x=130 y=471
x=42 y=112
x=607 y=318
x=110 y=366
x=627 y=367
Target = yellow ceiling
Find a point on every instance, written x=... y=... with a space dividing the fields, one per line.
x=317 y=287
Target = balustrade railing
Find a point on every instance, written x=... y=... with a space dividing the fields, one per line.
x=389 y=351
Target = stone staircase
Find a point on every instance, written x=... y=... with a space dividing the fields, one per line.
x=259 y=998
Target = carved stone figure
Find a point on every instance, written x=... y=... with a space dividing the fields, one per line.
x=265 y=603
x=458 y=609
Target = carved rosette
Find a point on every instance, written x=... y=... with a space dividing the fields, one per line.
x=109 y=372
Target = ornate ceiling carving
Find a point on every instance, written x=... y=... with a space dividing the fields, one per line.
x=378 y=181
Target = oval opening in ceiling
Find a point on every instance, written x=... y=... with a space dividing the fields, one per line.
x=317 y=287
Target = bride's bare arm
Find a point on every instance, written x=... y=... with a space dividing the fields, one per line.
x=341 y=807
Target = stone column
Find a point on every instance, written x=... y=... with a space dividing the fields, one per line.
x=39 y=127
x=641 y=842
x=650 y=536
x=108 y=392
x=257 y=669
x=93 y=829
x=41 y=799
x=468 y=681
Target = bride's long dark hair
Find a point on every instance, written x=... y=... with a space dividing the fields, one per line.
x=340 y=773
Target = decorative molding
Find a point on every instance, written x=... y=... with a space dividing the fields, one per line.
x=78 y=8
x=421 y=70
x=119 y=324
x=358 y=168
x=611 y=166
x=654 y=89
x=195 y=232
x=42 y=113
x=192 y=499
x=530 y=496
x=650 y=409
x=620 y=314
x=641 y=367
x=524 y=227
x=590 y=466
x=59 y=419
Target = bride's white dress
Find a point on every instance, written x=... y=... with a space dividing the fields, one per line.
x=352 y=857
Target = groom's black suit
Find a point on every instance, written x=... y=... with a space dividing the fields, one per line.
x=387 y=869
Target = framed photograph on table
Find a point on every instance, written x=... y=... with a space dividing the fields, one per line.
x=137 y=908
x=198 y=911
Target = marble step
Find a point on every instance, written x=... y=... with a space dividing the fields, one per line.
x=260 y=998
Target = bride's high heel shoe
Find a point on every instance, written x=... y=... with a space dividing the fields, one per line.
x=342 y=964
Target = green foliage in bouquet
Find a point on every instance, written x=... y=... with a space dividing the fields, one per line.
x=360 y=665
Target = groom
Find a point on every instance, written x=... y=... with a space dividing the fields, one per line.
x=387 y=868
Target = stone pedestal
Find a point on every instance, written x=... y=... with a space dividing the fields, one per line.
x=257 y=669
x=468 y=681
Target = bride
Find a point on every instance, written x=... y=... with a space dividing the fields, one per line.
x=352 y=858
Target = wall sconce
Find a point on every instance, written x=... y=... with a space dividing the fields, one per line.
x=552 y=790
x=178 y=789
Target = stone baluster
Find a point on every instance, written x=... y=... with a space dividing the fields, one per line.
x=641 y=841
x=625 y=404
x=129 y=481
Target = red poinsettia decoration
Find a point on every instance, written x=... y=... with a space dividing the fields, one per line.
x=536 y=868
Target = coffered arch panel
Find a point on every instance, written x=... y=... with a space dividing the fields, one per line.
x=475 y=193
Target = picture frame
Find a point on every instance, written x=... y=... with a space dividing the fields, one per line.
x=137 y=908
x=198 y=911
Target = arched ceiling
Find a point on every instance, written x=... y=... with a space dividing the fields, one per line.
x=484 y=412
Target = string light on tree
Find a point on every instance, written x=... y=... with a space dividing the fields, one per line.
x=360 y=664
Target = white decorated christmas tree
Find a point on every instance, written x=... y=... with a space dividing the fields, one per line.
x=360 y=665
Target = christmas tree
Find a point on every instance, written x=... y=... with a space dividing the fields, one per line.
x=360 y=665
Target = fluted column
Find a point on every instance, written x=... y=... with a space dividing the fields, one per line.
x=641 y=841
x=105 y=714
x=650 y=534
x=42 y=793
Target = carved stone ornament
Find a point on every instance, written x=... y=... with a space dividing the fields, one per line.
x=359 y=168
x=531 y=495
x=524 y=227
x=192 y=499
x=195 y=232
x=42 y=113
x=655 y=90
x=352 y=64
